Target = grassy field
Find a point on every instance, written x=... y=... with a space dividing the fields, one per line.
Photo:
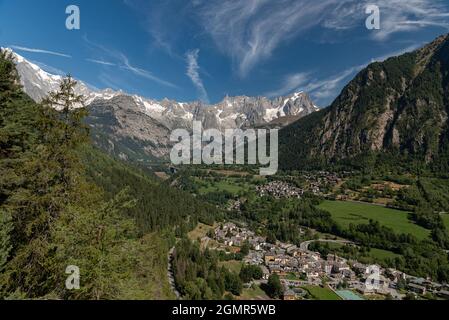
x=377 y=255
x=291 y=276
x=228 y=185
x=199 y=232
x=254 y=293
x=319 y=293
x=346 y=213
x=232 y=265
x=380 y=254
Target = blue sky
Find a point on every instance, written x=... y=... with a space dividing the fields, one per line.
x=206 y=49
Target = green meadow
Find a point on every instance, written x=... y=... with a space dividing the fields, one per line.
x=345 y=213
x=233 y=186
x=382 y=255
x=319 y=293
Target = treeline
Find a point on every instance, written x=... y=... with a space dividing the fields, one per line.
x=427 y=199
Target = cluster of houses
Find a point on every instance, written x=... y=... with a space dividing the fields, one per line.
x=298 y=267
x=235 y=205
x=279 y=190
x=422 y=286
x=231 y=235
x=320 y=180
x=316 y=183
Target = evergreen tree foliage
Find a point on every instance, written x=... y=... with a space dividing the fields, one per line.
x=55 y=212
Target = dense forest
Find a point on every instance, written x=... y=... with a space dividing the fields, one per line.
x=198 y=275
x=158 y=206
x=64 y=203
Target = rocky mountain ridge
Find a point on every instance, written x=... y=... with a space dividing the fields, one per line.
x=138 y=128
x=398 y=106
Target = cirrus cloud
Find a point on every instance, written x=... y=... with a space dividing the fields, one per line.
x=35 y=50
x=193 y=73
x=250 y=31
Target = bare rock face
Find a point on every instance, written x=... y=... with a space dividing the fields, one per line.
x=129 y=132
x=140 y=124
x=138 y=129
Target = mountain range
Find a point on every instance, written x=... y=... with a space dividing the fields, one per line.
x=138 y=129
x=399 y=106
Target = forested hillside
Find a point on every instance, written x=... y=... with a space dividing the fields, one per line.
x=63 y=203
x=158 y=206
x=398 y=107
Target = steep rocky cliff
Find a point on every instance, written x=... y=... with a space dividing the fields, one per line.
x=400 y=105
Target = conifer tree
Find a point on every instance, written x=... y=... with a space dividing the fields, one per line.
x=43 y=185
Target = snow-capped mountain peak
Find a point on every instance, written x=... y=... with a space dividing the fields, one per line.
x=232 y=112
x=37 y=83
x=147 y=122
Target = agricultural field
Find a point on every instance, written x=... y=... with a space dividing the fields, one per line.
x=229 y=172
x=382 y=255
x=231 y=185
x=345 y=213
x=200 y=231
x=319 y=293
x=374 y=254
x=253 y=293
x=232 y=265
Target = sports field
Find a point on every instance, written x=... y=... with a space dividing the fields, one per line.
x=349 y=295
x=345 y=213
x=319 y=293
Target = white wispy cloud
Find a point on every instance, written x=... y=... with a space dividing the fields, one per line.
x=124 y=63
x=35 y=50
x=111 y=82
x=49 y=69
x=142 y=72
x=193 y=72
x=250 y=31
x=324 y=89
x=104 y=63
x=396 y=15
x=291 y=83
